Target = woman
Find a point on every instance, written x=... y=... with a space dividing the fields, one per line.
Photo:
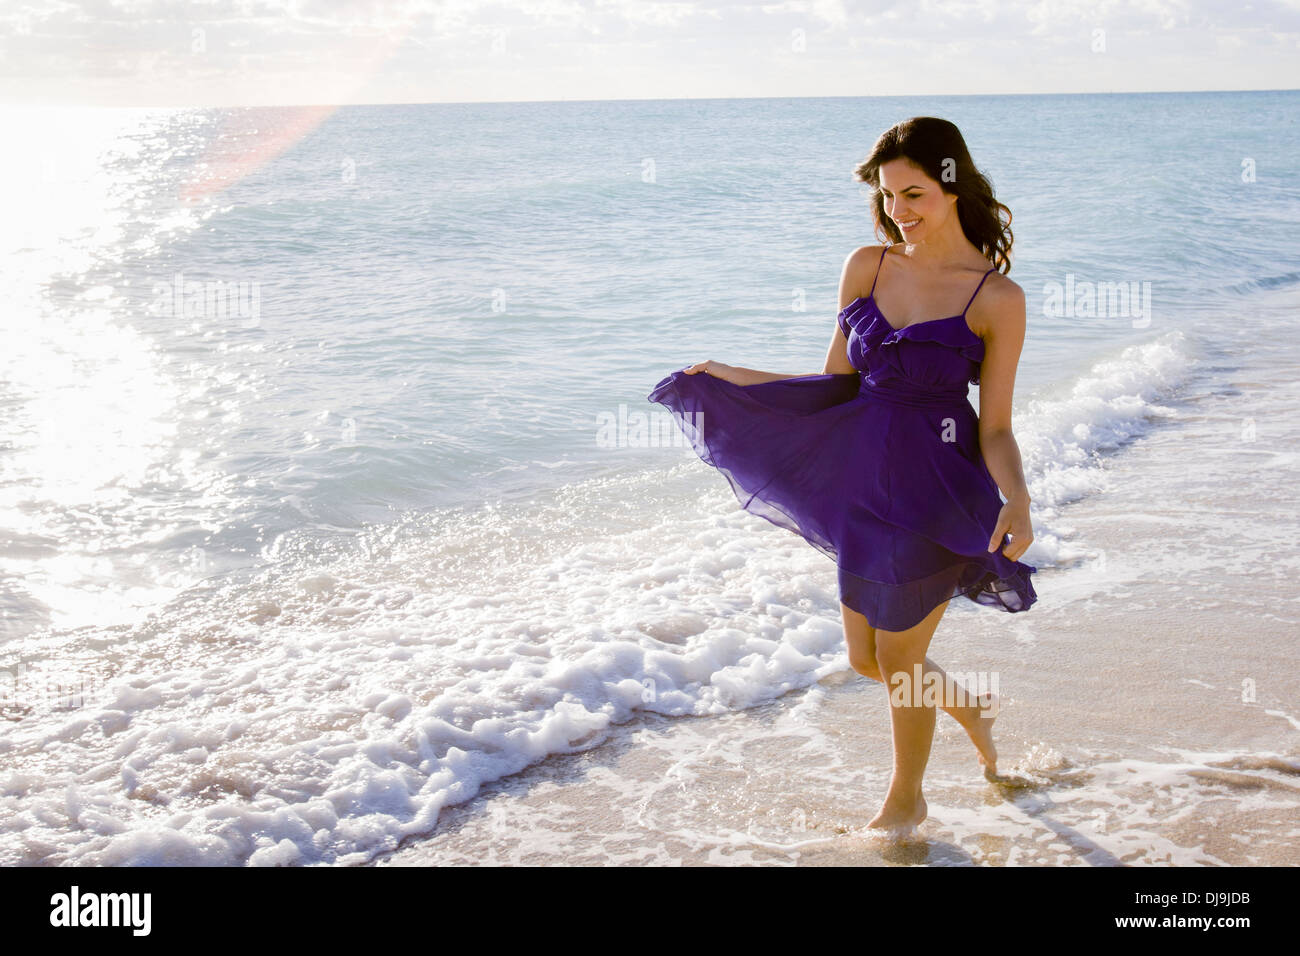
x=881 y=461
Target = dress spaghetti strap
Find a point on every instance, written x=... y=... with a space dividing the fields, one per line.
x=877 y=277
x=977 y=290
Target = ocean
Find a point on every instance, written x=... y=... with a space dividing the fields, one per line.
x=335 y=526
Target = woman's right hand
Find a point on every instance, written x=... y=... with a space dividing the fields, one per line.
x=716 y=369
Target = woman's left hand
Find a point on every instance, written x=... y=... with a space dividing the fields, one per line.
x=1013 y=518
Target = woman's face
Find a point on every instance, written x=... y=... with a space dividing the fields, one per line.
x=913 y=200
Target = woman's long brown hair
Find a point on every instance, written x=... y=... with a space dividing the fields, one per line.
x=936 y=146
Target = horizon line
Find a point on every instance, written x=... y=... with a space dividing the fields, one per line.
x=639 y=99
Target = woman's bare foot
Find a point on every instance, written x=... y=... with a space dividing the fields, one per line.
x=900 y=814
x=980 y=730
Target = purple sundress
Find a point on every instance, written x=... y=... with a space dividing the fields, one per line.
x=880 y=469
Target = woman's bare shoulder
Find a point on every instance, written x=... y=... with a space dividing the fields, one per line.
x=999 y=305
x=860 y=272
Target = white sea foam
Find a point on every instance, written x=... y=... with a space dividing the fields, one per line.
x=339 y=705
x=1067 y=433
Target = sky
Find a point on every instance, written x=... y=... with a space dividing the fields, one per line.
x=292 y=52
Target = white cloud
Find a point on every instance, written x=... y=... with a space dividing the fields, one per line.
x=57 y=48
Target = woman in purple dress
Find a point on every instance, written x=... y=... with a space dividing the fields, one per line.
x=880 y=461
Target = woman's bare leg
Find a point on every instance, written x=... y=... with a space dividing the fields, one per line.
x=974 y=713
x=875 y=653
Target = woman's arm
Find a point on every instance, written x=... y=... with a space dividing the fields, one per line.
x=1002 y=456
x=1004 y=337
x=733 y=374
x=858 y=274
x=737 y=375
